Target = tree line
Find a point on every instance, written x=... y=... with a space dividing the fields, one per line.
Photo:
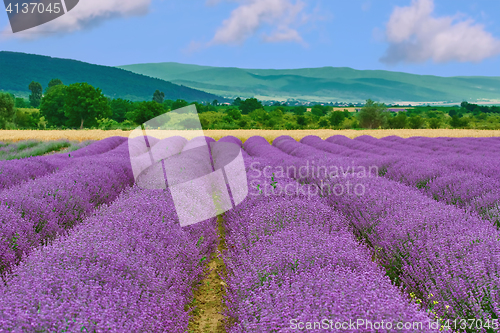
x=80 y=105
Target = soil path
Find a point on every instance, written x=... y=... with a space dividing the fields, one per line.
x=209 y=293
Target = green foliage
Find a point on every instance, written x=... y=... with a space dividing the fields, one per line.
x=119 y=108
x=204 y=107
x=416 y=122
x=52 y=107
x=7 y=110
x=250 y=105
x=237 y=102
x=336 y=118
x=243 y=123
x=233 y=113
x=21 y=103
x=301 y=121
x=320 y=110
x=453 y=112
x=457 y=122
x=84 y=104
x=277 y=114
x=107 y=124
x=158 y=96
x=373 y=115
x=434 y=123
x=27 y=118
x=179 y=104
x=259 y=115
x=271 y=123
x=53 y=83
x=299 y=110
x=317 y=112
x=399 y=121
x=145 y=111
x=324 y=123
x=36 y=94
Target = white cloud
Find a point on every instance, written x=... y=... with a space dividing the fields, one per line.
x=253 y=15
x=87 y=13
x=414 y=35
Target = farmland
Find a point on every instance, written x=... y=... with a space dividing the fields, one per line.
x=333 y=230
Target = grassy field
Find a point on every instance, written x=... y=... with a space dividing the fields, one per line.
x=82 y=135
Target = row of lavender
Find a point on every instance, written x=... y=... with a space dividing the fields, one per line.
x=15 y=172
x=36 y=211
x=442 y=253
x=29 y=148
x=293 y=264
x=127 y=267
x=469 y=182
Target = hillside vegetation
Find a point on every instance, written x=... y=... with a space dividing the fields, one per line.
x=17 y=70
x=324 y=84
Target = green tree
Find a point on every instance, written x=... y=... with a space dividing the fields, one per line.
x=250 y=105
x=84 y=104
x=158 y=96
x=336 y=118
x=179 y=104
x=399 y=121
x=145 y=111
x=27 y=118
x=21 y=103
x=259 y=115
x=457 y=122
x=434 y=123
x=416 y=122
x=201 y=107
x=277 y=114
x=120 y=107
x=301 y=121
x=215 y=102
x=271 y=123
x=323 y=123
x=373 y=115
x=53 y=83
x=7 y=110
x=36 y=94
x=237 y=102
x=233 y=113
x=299 y=110
x=242 y=123
x=318 y=112
x=52 y=106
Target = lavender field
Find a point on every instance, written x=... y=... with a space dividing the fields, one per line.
x=351 y=235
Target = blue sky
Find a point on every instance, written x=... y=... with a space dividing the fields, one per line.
x=440 y=37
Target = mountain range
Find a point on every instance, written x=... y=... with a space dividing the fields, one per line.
x=205 y=83
x=325 y=84
x=17 y=70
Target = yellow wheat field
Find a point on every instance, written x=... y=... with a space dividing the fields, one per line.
x=82 y=135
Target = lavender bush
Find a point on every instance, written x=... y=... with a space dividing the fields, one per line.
x=127 y=268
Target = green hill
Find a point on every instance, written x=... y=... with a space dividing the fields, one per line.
x=324 y=84
x=17 y=70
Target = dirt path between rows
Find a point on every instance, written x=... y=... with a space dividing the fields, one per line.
x=209 y=293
